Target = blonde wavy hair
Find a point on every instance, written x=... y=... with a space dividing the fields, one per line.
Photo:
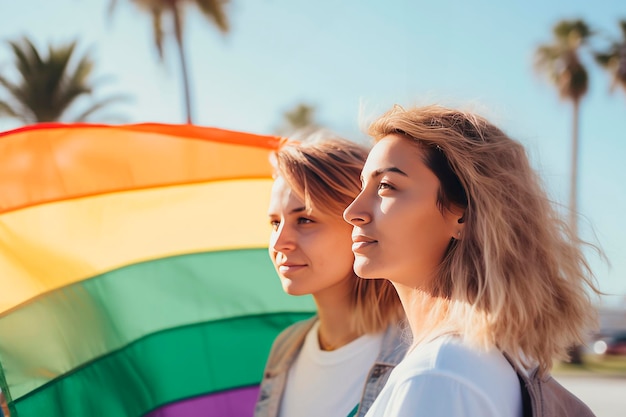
x=325 y=173
x=517 y=278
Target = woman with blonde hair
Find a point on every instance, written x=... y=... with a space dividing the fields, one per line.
x=335 y=363
x=452 y=213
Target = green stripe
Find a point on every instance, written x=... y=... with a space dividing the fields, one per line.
x=68 y=327
x=162 y=368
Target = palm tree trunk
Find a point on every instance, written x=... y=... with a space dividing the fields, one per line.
x=575 y=351
x=183 y=61
x=573 y=182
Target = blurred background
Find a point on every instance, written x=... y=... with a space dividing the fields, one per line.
x=549 y=73
x=270 y=66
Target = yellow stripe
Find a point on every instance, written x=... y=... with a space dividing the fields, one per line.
x=49 y=246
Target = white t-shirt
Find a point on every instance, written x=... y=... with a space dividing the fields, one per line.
x=328 y=383
x=446 y=378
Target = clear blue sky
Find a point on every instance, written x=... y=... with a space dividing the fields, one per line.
x=353 y=59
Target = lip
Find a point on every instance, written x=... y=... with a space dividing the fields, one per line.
x=288 y=267
x=362 y=242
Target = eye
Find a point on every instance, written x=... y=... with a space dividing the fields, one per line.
x=274 y=224
x=385 y=186
x=304 y=220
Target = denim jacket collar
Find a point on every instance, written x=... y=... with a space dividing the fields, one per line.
x=288 y=345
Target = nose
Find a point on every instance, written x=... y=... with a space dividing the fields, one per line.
x=355 y=214
x=281 y=239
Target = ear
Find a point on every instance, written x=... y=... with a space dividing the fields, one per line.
x=456 y=221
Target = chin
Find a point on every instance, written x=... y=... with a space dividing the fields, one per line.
x=365 y=270
x=290 y=288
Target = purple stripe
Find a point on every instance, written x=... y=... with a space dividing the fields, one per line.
x=234 y=403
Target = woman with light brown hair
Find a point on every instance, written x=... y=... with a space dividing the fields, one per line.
x=452 y=213
x=336 y=363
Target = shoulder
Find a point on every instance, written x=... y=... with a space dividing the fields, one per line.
x=296 y=330
x=481 y=381
x=290 y=339
x=449 y=354
x=396 y=342
x=437 y=394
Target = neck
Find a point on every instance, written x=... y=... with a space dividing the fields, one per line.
x=423 y=311
x=335 y=313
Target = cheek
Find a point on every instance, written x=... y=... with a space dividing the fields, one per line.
x=430 y=237
x=420 y=229
x=338 y=250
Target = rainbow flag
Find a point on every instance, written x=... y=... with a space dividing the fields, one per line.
x=134 y=275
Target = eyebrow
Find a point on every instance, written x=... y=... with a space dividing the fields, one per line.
x=298 y=210
x=294 y=211
x=381 y=171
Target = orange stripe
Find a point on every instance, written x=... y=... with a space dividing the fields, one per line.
x=51 y=162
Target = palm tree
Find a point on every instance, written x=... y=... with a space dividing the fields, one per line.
x=301 y=117
x=48 y=87
x=214 y=10
x=614 y=60
x=560 y=62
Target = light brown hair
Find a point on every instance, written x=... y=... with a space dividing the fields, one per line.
x=517 y=278
x=325 y=173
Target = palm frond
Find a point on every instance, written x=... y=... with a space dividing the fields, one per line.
x=603 y=59
x=559 y=60
x=26 y=56
x=46 y=86
x=56 y=71
x=17 y=111
x=613 y=60
x=13 y=89
x=82 y=71
x=546 y=61
x=215 y=10
x=572 y=32
x=7 y=110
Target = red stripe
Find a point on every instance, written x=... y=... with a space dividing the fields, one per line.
x=189 y=131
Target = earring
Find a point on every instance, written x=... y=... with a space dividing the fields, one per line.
x=458 y=234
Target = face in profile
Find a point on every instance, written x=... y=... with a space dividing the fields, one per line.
x=399 y=232
x=310 y=251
